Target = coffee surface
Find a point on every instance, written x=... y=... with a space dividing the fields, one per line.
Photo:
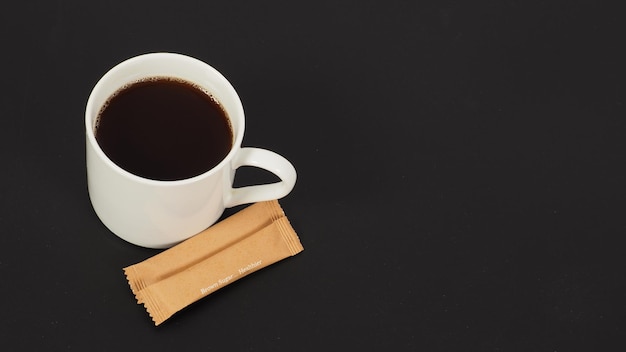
x=164 y=129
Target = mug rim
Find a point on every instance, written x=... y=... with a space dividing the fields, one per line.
x=237 y=134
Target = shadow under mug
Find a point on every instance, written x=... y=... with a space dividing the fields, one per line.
x=160 y=214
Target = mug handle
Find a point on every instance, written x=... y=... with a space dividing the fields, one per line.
x=266 y=160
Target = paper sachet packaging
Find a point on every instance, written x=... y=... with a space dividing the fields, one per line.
x=241 y=244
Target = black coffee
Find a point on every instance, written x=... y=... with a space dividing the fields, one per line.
x=164 y=129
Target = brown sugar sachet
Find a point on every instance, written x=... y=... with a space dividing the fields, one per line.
x=203 y=245
x=229 y=258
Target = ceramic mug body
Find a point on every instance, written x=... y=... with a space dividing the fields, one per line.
x=159 y=214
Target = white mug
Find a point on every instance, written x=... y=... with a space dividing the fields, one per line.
x=160 y=214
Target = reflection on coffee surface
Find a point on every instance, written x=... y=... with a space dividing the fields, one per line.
x=164 y=129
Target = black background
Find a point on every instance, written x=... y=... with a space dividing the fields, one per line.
x=461 y=174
